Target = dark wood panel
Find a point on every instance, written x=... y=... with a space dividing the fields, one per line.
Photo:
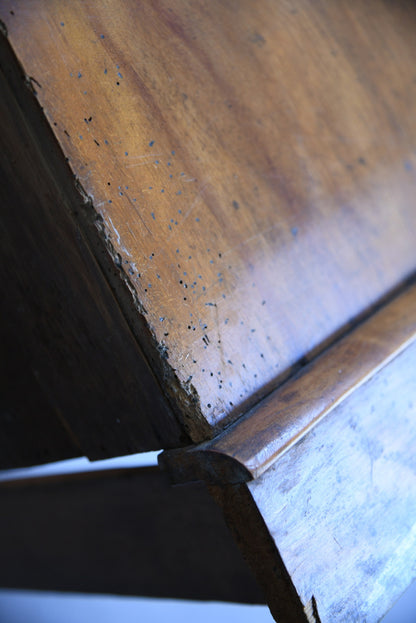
x=252 y=165
x=76 y=380
x=124 y=532
x=31 y=431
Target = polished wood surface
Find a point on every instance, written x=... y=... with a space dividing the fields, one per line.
x=75 y=381
x=340 y=506
x=252 y=170
x=210 y=213
x=249 y=447
x=119 y=531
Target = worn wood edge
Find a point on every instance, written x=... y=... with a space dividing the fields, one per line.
x=183 y=398
x=258 y=548
x=182 y=401
x=150 y=424
x=341 y=503
x=202 y=463
x=250 y=446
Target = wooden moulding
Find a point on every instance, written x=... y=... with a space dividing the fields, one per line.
x=343 y=510
x=327 y=515
x=334 y=518
x=249 y=447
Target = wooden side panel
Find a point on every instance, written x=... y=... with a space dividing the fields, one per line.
x=65 y=337
x=253 y=164
x=31 y=431
x=340 y=505
x=125 y=532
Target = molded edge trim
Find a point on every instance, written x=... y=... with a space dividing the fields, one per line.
x=202 y=462
x=250 y=446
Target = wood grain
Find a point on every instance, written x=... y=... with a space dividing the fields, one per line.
x=253 y=167
x=31 y=431
x=249 y=447
x=76 y=381
x=252 y=535
x=340 y=506
x=120 y=531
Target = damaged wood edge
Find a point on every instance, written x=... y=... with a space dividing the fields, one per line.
x=311 y=611
x=259 y=549
x=181 y=399
x=250 y=446
x=201 y=462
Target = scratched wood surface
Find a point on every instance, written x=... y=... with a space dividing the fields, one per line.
x=252 y=164
x=249 y=447
x=73 y=380
x=344 y=500
x=339 y=506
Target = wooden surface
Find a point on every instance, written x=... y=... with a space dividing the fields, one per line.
x=228 y=188
x=249 y=447
x=30 y=430
x=251 y=533
x=74 y=380
x=340 y=505
x=251 y=166
x=119 y=531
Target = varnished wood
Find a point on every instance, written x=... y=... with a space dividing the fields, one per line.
x=119 y=531
x=340 y=505
x=74 y=381
x=251 y=166
x=256 y=441
x=233 y=188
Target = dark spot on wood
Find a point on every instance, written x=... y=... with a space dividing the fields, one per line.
x=258 y=39
x=32 y=79
x=288 y=396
